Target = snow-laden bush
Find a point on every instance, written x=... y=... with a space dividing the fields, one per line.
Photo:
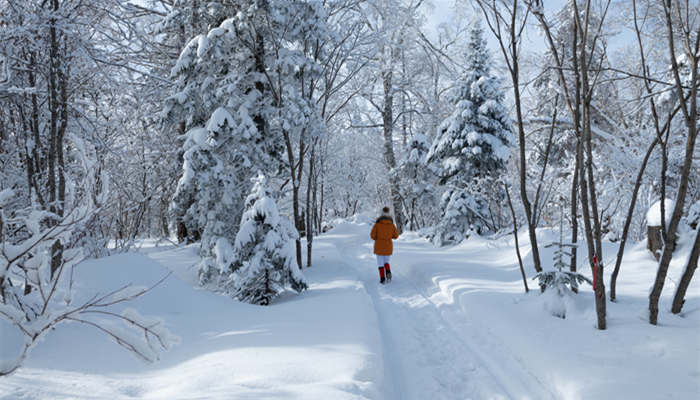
x=262 y=262
x=693 y=217
x=462 y=211
x=38 y=256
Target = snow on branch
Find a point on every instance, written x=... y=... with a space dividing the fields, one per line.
x=37 y=262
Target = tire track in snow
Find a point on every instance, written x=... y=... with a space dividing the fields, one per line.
x=393 y=369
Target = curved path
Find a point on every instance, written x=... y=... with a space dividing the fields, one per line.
x=431 y=351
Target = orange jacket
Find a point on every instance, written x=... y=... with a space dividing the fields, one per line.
x=383 y=232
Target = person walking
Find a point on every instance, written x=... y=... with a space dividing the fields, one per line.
x=383 y=232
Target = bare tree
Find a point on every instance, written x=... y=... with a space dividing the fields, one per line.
x=394 y=25
x=662 y=129
x=507 y=21
x=682 y=27
x=515 y=238
x=679 y=297
x=586 y=68
x=28 y=260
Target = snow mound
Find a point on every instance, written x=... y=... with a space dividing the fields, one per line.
x=654 y=213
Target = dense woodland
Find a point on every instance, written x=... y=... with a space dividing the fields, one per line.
x=249 y=126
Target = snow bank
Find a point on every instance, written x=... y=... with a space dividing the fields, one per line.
x=321 y=345
x=654 y=213
x=477 y=287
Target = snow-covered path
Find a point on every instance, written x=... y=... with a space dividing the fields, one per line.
x=427 y=354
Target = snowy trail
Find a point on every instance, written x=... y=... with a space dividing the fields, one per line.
x=426 y=354
x=511 y=372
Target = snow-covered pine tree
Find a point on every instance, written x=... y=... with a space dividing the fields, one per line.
x=560 y=282
x=471 y=147
x=217 y=160
x=417 y=190
x=261 y=265
x=242 y=102
x=227 y=109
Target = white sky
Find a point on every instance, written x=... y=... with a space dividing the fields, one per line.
x=443 y=11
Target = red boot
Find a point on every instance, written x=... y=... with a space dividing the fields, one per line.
x=382 y=279
x=387 y=268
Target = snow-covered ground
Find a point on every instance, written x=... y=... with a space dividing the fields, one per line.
x=453 y=324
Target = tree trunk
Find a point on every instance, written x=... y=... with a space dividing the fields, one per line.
x=55 y=139
x=296 y=186
x=690 y=109
x=655 y=240
x=531 y=227
x=679 y=297
x=582 y=122
x=56 y=257
x=515 y=236
x=664 y=169
x=574 y=221
x=53 y=109
x=670 y=244
x=309 y=211
x=295 y=194
x=180 y=228
x=321 y=205
x=62 y=126
x=628 y=220
x=598 y=263
x=547 y=152
x=259 y=55
x=314 y=202
x=389 y=157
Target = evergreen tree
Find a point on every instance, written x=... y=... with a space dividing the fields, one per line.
x=217 y=160
x=560 y=282
x=261 y=265
x=240 y=99
x=219 y=97
x=471 y=147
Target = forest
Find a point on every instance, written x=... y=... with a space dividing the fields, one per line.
x=248 y=129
